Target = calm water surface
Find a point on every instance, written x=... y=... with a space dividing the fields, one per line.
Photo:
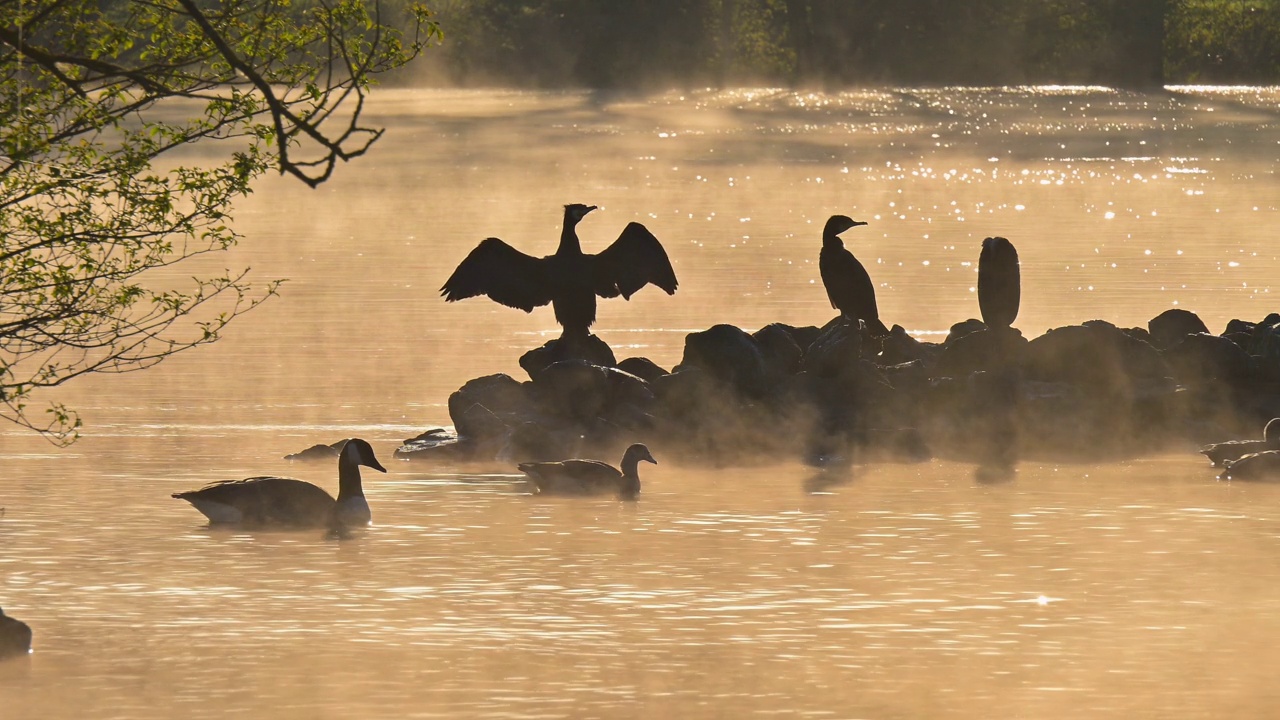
x=1142 y=589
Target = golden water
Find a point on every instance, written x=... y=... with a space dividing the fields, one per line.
x=1141 y=589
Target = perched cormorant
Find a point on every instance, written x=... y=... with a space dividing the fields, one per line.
x=848 y=285
x=999 y=283
x=589 y=477
x=285 y=502
x=15 y=636
x=570 y=279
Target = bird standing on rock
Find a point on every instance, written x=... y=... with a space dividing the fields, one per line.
x=849 y=287
x=570 y=279
x=999 y=283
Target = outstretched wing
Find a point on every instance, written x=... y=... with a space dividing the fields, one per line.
x=503 y=273
x=634 y=260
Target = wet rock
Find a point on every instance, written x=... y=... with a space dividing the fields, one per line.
x=435 y=444
x=592 y=350
x=574 y=389
x=642 y=367
x=317 y=452
x=500 y=394
x=899 y=347
x=982 y=349
x=835 y=350
x=1171 y=326
x=1200 y=358
x=1097 y=356
x=778 y=347
x=1264 y=341
x=728 y=354
x=804 y=335
x=963 y=328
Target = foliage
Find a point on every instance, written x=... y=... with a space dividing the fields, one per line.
x=604 y=43
x=92 y=95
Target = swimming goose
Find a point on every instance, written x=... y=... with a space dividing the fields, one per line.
x=15 y=636
x=1224 y=452
x=999 y=283
x=1254 y=466
x=570 y=279
x=849 y=287
x=277 y=501
x=589 y=477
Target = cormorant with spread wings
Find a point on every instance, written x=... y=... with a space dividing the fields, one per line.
x=570 y=279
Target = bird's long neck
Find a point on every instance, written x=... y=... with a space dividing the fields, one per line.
x=630 y=478
x=832 y=241
x=569 y=237
x=348 y=479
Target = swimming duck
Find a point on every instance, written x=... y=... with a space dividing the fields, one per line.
x=589 y=477
x=570 y=279
x=1224 y=452
x=285 y=502
x=15 y=636
x=1254 y=466
x=999 y=282
x=848 y=285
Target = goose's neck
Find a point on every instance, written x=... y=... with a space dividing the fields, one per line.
x=348 y=480
x=833 y=241
x=630 y=478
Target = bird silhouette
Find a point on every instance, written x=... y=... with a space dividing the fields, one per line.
x=848 y=285
x=570 y=279
x=999 y=282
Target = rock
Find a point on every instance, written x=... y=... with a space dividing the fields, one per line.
x=1265 y=339
x=1200 y=358
x=500 y=394
x=480 y=425
x=778 y=347
x=983 y=349
x=729 y=355
x=574 y=389
x=899 y=347
x=1097 y=356
x=593 y=350
x=1171 y=326
x=317 y=452
x=642 y=367
x=835 y=350
x=963 y=328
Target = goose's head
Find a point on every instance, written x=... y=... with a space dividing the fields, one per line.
x=574 y=212
x=636 y=453
x=837 y=224
x=359 y=452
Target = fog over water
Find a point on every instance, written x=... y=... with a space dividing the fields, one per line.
x=1135 y=589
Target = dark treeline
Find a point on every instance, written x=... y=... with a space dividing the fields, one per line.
x=612 y=43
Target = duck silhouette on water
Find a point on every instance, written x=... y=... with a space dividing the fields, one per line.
x=1224 y=452
x=570 y=280
x=589 y=477
x=15 y=637
x=267 y=502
